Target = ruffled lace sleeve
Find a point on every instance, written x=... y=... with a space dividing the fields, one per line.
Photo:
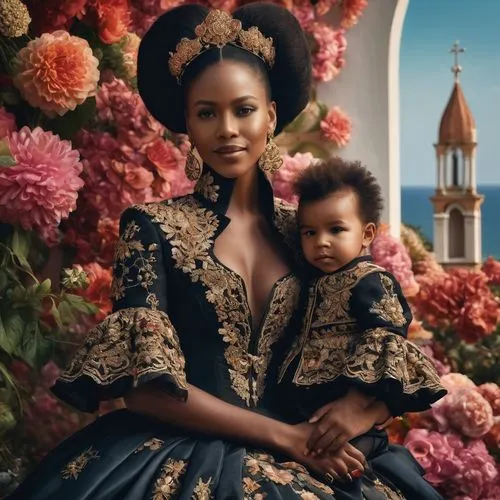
x=382 y=361
x=137 y=343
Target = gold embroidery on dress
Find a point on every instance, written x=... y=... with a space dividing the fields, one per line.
x=190 y=229
x=308 y=495
x=168 y=484
x=389 y=308
x=250 y=486
x=263 y=465
x=153 y=444
x=131 y=342
x=285 y=219
x=390 y=494
x=207 y=188
x=202 y=490
x=74 y=468
x=131 y=256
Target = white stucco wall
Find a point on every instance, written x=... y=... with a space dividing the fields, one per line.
x=368 y=90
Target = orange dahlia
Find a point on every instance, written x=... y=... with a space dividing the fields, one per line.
x=56 y=72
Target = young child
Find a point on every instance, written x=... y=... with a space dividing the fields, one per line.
x=355 y=323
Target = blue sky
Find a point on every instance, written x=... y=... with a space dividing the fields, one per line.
x=430 y=28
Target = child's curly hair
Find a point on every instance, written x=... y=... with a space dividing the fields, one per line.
x=335 y=174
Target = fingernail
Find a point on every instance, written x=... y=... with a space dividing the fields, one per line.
x=313 y=420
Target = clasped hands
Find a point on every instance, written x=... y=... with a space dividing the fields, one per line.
x=322 y=443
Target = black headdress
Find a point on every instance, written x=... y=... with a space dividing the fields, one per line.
x=289 y=64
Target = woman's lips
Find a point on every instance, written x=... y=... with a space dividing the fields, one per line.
x=230 y=149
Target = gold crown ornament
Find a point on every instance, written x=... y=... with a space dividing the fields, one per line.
x=219 y=29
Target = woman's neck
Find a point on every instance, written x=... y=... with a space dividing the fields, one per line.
x=245 y=195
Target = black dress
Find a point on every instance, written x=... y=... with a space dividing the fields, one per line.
x=179 y=316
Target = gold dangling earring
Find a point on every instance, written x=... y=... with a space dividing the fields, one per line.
x=193 y=165
x=271 y=159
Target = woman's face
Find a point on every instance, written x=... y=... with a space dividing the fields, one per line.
x=228 y=117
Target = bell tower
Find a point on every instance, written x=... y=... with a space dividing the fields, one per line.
x=457 y=205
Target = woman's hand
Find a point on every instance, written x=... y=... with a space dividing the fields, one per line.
x=340 y=421
x=336 y=466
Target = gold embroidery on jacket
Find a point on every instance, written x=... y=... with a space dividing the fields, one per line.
x=74 y=468
x=202 y=490
x=131 y=256
x=168 y=483
x=131 y=342
x=153 y=444
x=207 y=188
x=389 y=308
x=190 y=230
x=328 y=303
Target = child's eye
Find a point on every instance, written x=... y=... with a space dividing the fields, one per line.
x=245 y=110
x=205 y=113
x=336 y=229
x=308 y=233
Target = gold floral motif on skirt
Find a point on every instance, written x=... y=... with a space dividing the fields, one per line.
x=169 y=482
x=74 y=468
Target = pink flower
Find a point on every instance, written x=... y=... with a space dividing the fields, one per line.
x=336 y=127
x=49 y=374
x=351 y=10
x=491 y=392
x=7 y=123
x=469 y=413
x=328 y=47
x=42 y=188
x=456 y=381
x=441 y=367
x=491 y=268
x=118 y=104
x=284 y=178
x=303 y=10
x=434 y=453
x=391 y=254
x=56 y=72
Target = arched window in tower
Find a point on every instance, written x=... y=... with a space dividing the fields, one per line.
x=455 y=172
x=456 y=234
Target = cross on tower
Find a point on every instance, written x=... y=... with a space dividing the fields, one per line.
x=455 y=50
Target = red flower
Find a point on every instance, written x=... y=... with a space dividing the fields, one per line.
x=459 y=299
x=111 y=18
x=99 y=289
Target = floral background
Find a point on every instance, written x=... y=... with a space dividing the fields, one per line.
x=77 y=146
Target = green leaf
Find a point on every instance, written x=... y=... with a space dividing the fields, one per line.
x=80 y=304
x=57 y=316
x=21 y=242
x=11 y=333
x=43 y=289
x=66 y=313
x=34 y=349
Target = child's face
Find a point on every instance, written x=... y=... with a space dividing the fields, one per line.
x=332 y=232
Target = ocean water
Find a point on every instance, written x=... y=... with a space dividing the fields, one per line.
x=417 y=210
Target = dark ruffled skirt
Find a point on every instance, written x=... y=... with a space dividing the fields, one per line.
x=123 y=456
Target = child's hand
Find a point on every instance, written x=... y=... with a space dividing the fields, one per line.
x=337 y=423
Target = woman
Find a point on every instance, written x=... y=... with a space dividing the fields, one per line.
x=203 y=289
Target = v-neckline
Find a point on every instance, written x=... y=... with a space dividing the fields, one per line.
x=255 y=329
